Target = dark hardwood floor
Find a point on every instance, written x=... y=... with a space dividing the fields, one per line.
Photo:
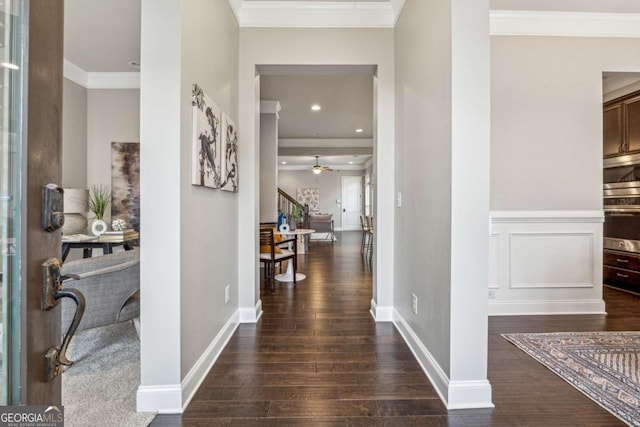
x=316 y=358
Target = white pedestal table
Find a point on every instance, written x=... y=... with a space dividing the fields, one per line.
x=288 y=275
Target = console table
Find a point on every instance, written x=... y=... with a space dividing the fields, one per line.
x=88 y=245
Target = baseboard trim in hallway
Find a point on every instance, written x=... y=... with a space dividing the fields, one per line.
x=381 y=314
x=454 y=394
x=201 y=368
x=174 y=398
x=251 y=314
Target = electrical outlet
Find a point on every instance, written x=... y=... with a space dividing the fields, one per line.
x=492 y=294
x=414 y=304
x=227 y=294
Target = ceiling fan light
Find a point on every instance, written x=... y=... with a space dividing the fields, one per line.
x=317 y=170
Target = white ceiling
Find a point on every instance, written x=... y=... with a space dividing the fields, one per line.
x=346 y=101
x=102 y=35
x=345 y=94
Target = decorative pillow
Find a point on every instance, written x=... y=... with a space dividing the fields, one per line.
x=266 y=249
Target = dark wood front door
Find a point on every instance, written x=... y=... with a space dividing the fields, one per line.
x=31 y=128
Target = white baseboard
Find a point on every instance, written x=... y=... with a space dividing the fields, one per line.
x=454 y=394
x=173 y=398
x=250 y=314
x=163 y=399
x=381 y=314
x=469 y=395
x=201 y=368
x=516 y=308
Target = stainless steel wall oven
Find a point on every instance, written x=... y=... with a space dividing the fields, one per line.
x=621 y=194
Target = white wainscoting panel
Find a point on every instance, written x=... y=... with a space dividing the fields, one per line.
x=494 y=261
x=551 y=260
x=545 y=262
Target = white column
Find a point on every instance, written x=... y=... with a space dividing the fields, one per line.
x=470 y=143
x=160 y=206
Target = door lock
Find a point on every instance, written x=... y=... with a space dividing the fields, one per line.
x=52 y=207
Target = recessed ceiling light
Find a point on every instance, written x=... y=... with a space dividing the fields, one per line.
x=284 y=163
x=350 y=163
x=10 y=66
x=316 y=107
x=134 y=64
x=359 y=130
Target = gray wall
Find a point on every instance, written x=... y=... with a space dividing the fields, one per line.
x=268 y=167
x=208 y=219
x=546 y=119
x=113 y=115
x=423 y=171
x=74 y=135
x=329 y=183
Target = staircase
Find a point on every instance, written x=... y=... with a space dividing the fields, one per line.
x=286 y=205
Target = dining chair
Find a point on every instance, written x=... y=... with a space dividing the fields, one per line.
x=271 y=253
x=369 y=243
x=364 y=228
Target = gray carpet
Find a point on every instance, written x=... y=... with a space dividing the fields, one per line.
x=605 y=366
x=99 y=389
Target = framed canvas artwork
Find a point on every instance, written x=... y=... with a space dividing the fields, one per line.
x=309 y=196
x=207 y=140
x=229 y=164
x=125 y=183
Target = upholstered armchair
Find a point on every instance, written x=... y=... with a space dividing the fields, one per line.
x=110 y=284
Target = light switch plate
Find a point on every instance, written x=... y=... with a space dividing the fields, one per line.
x=399 y=200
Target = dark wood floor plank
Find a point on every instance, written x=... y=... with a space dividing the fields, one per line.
x=316 y=358
x=323 y=408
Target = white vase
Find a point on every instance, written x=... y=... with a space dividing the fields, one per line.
x=98 y=227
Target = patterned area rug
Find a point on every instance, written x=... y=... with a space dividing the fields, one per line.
x=602 y=365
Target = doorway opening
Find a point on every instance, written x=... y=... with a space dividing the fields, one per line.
x=621 y=180
x=317 y=145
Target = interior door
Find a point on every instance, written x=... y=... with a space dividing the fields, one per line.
x=31 y=133
x=351 y=202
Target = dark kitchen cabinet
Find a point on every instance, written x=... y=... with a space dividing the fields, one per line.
x=621 y=125
x=612 y=127
x=621 y=270
x=632 y=128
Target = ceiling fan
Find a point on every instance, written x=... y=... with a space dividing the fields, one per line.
x=317 y=168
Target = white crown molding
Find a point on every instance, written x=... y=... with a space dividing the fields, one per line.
x=74 y=73
x=100 y=80
x=336 y=168
x=564 y=24
x=328 y=142
x=270 y=107
x=316 y=14
x=369 y=163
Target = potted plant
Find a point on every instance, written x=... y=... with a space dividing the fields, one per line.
x=296 y=213
x=99 y=198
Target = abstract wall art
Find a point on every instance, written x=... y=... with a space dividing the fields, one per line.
x=207 y=139
x=309 y=196
x=125 y=183
x=229 y=164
